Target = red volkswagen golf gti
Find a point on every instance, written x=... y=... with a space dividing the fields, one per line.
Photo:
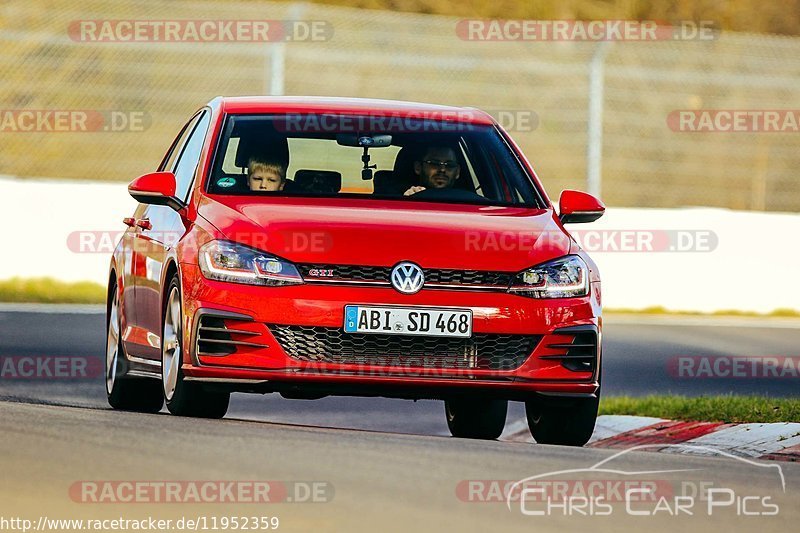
x=323 y=246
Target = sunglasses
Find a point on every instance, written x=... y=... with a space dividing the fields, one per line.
x=449 y=165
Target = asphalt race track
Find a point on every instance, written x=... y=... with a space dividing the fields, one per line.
x=637 y=356
x=382 y=464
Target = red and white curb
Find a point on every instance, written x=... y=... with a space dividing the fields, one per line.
x=776 y=441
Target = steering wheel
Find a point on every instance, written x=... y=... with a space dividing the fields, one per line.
x=448 y=194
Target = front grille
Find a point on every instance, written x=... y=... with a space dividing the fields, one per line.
x=468 y=277
x=382 y=274
x=346 y=272
x=332 y=345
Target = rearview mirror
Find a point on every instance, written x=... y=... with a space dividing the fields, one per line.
x=156 y=188
x=364 y=141
x=576 y=207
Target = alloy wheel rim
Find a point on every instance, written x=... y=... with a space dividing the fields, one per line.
x=171 y=345
x=112 y=344
x=449 y=412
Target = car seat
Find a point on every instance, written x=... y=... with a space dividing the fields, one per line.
x=317 y=181
x=396 y=181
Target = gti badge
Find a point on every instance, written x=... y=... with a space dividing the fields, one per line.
x=407 y=278
x=321 y=273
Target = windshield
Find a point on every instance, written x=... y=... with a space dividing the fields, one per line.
x=345 y=156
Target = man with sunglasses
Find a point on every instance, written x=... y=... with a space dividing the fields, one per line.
x=438 y=168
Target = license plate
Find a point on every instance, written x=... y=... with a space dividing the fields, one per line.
x=428 y=321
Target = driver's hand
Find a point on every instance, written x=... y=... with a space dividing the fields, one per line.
x=414 y=190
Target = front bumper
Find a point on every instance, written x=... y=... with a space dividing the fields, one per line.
x=247 y=355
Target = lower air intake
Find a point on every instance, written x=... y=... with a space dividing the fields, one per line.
x=332 y=345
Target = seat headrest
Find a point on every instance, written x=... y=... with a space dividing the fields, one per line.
x=383 y=183
x=318 y=181
x=404 y=166
x=273 y=148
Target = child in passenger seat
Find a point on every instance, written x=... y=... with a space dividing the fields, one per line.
x=263 y=175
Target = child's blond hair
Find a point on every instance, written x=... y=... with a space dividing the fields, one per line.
x=255 y=164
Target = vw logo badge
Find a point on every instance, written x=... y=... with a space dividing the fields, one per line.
x=407 y=278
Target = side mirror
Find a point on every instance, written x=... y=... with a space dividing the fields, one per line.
x=577 y=206
x=156 y=188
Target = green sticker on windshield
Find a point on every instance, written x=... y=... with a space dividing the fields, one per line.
x=226 y=182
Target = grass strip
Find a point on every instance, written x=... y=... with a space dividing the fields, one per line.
x=777 y=313
x=48 y=290
x=729 y=409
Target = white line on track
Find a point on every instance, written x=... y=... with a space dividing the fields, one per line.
x=612 y=425
x=752 y=440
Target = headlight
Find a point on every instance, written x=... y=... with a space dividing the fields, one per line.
x=566 y=277
x=228 y=261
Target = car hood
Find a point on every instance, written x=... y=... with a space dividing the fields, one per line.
x=385 y=232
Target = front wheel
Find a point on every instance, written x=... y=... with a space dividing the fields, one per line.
x=565 y=421
x=183 y=398
x=476 y=418
x=126 y=393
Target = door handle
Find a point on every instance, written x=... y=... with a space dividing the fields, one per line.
x=144 y=223
x=129 y=221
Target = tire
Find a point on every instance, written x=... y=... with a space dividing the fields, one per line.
x=124 y=393
x=183 y=398
x=565 y=421
x=476 y=418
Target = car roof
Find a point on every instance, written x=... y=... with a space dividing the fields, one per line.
x=349 y=106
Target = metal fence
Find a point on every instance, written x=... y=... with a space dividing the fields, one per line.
x=630 y=154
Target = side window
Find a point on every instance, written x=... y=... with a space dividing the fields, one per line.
x=187 y=162
x=169 y=160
